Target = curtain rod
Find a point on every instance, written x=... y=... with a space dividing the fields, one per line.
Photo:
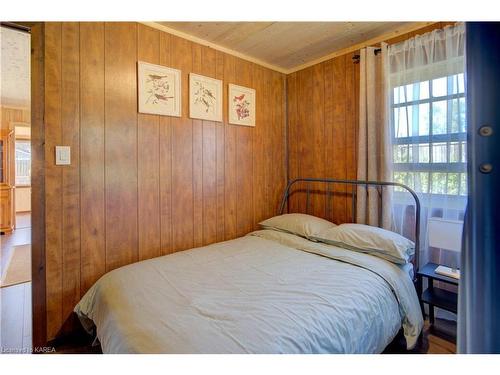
x=355 y=58
x=15 y=26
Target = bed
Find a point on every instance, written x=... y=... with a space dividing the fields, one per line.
x=266 y=292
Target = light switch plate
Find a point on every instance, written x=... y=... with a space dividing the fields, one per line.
x=63 y=155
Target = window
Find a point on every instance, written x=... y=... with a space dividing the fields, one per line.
x=23 y=162
x=429 y=136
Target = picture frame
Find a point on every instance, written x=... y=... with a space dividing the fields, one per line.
x=241 y=105
x=159 y=90
x=205 y=98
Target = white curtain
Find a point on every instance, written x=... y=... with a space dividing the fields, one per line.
x=374 y=154
x=428 y=130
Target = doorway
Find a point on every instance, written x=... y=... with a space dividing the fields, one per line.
x=15 y=182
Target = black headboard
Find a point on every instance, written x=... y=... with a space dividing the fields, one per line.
x=366 y=184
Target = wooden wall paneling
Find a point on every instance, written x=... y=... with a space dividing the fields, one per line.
x=339 y=148
x=305 y=135
x=9 y=115
x=209 y=157
x=329 y=144
x=165 y=150
x=292 y=139
x=144 y=185
x=182 y=153
x=230 y=165
x=318 y=136
x=92 y=219
x=262 y=144
x=38 y=198
x=278 y=144
x=351 y=125
x=121 y=144
x=275 y=151
x=53 y=178
x=148 y=157
x=197 y=158
x=244 y=155
x=70 y=131
x=220 y=151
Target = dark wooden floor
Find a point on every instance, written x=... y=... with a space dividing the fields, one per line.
x=439 y=339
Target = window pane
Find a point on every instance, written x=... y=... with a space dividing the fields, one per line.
x=422 y=182
x=423 y=119
x=423 y=153
x=399 y=177
x=464 y=152
x=439 y=87
x=405 y=178
x=452 y=188
x=453 y=107
x=454 y=152
x=457 y=83
x=463 y=119
x=439 y=152
x=23 y=163
x=439 y=117
x=463 y=183
x=401 y=154
x=402 y=122
x=438 y=183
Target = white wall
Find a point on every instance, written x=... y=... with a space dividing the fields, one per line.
x=23 y=199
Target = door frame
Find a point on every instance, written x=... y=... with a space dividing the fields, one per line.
x=38 y=281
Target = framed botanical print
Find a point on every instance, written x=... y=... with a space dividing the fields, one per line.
x=205 y=98
x=159 y=89
x=241 y=105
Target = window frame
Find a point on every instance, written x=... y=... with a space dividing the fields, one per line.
x=413 y=142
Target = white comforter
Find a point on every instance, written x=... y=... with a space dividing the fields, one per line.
x=268 y=292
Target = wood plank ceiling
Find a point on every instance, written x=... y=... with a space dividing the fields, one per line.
x=287 y=45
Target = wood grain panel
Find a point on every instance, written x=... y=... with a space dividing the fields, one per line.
x=260 y=145
x=292 y=139
x=92 y=219
x=244 y=155
x=146 y=185
x=148 y=158
x=230 y=165
x=209 y=157
x=121 y=144
x=339 y=150
x=53 y=178
x=182 y=154
x=70 y=131
x=220 y=152
x=165 y=149
x=38 y=198
x=197 y=158
x=275 y=135
x=317 y=137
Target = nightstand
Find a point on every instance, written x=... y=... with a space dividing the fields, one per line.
x=434 y=296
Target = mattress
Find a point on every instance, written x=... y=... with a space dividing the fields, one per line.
x=267 y=292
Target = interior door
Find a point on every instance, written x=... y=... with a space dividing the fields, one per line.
x=479 y=298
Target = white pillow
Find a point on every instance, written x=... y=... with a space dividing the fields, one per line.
x=372 y=240
x=300 y=224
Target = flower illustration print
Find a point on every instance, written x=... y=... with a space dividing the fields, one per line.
x=242 y=106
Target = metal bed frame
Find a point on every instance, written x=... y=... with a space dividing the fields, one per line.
x=355 y=183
